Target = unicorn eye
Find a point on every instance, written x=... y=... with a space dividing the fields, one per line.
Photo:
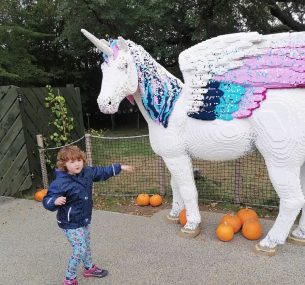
x=126 y=65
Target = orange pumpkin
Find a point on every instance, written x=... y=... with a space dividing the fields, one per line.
x=233 y=221
x=155 y=200
x=225 y=232
x=182 y=217
x=142 y=200
x=39 y=195
x=252 y=229
x=247 y=214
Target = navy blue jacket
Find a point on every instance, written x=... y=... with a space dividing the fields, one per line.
x=78 y=192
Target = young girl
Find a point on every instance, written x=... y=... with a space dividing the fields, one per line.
x=71 y=195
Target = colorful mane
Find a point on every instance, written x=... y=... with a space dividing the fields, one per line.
x=159 y=89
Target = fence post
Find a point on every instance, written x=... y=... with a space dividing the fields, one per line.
x=88 y=149
x=43 y=164
x=161 y=176
x=237 y=192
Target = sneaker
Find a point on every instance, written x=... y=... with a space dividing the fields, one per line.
x=70 y=282
x=95 y=272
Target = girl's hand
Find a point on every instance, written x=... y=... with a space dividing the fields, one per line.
x=60 y=201
x=128 y=168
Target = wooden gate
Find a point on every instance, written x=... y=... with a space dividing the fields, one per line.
x=22 y=116
x=15 y=173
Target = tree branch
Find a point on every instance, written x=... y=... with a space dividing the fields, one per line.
x=285 y=17
x=291 y=1
x=101 y=21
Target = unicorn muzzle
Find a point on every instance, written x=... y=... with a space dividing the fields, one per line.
x=107 y=106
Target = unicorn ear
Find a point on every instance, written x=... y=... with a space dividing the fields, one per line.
x=122 y=44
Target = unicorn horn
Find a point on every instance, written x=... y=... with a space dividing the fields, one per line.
x=102 y=45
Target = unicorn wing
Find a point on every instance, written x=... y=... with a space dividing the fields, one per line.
x=228 y=76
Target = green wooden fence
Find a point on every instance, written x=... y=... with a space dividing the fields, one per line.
x=14 y=166
x=23 y=116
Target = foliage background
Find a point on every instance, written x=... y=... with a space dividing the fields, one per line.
x=41 y=43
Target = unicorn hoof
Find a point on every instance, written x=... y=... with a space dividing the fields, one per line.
x=296 y=240
x=190 y=233
x=172 y=219
x=265 y=250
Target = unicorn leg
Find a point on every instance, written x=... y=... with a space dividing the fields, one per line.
x=182 y=172
x=178 y=204
x=286 y=182
x=298 y=235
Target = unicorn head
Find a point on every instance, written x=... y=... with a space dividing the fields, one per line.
x=120 y=77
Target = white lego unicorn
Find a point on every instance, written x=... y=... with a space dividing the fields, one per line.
x=240 y=92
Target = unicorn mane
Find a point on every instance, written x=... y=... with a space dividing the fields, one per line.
x=159 y=89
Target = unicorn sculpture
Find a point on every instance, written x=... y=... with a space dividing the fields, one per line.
x=240 y=92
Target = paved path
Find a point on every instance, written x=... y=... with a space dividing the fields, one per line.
x=136 y=250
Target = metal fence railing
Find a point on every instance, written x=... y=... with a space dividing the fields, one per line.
x=242 y=181
x=149 y=175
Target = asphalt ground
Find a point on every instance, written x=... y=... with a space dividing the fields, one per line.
x=137 y=250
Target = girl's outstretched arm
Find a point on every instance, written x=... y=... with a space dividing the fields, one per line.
x=103 y=173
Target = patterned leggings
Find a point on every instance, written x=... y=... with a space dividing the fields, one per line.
x=80 y=240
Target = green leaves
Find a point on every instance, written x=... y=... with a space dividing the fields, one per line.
x=41 y=42
x=62 y=122
x=18 y=64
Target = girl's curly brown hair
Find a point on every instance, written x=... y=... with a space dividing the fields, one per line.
x=67 y=153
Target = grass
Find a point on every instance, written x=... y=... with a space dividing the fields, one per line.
x=222 y=186
x=133 y=151
x=105 y=149
x=243 y=181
